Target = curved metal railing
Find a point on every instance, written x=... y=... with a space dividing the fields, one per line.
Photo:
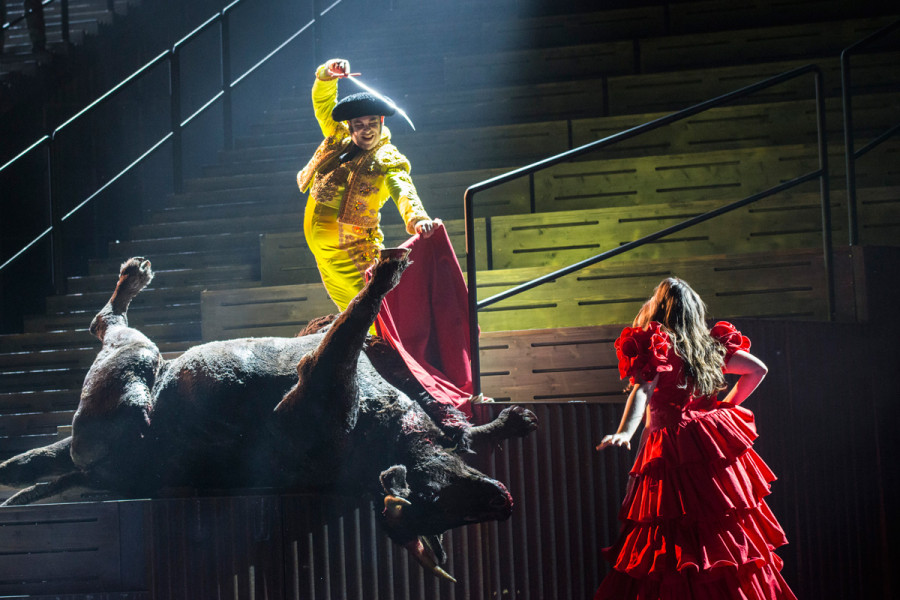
x=177 y=124
x=850 y=154
x=821 y=173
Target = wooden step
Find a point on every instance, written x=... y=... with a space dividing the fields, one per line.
x=173 y=278
x=69 y=358
x=50 y=401
x=234 y=225
x=717 y=15
x=648 y=54
x=808 y=41
x=187 y=312
x=80 y=338
x=35 y=380
x=679 y=89
x=226 y=210
x=36 y=423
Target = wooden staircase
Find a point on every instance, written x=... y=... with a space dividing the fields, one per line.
x=232 y=238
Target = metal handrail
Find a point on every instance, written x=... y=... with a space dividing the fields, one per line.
x=821 y=173
x=171 y=56
x=851 y=155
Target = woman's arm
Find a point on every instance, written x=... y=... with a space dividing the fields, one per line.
x=751 y=369
x=631 y=418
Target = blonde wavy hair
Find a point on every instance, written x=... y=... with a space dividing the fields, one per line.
x=682 y=313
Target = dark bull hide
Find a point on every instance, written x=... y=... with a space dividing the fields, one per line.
x=314 y=413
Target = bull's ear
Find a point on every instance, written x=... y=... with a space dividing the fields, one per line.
x=393 y=480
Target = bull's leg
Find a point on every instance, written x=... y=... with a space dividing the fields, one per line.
x=37 y=463
x=327 y=386
x=134 y=276
x=116 y=397
x=513 y=421
x=45 y=489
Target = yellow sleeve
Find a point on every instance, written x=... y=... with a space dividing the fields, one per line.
x=324 y=97
x=400 y=185
x=407 y=199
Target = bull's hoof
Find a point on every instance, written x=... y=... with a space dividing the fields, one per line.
x=387 y=271
x=518 y=421
x=135 y=273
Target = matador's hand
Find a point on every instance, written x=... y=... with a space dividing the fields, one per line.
x=334 y=68
x=426 y=228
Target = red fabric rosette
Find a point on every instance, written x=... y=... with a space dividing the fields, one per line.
x=643 y=352
x=732 y=339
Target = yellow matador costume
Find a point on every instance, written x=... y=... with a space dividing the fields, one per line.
x=341 y=222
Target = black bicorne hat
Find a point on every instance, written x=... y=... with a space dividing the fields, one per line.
x=361 y=105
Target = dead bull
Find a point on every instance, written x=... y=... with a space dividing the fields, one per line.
x=311 y=414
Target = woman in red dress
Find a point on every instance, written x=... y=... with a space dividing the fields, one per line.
x=695 y=524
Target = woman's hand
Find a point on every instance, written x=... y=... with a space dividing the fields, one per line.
x=426 y=227
x=616 y=439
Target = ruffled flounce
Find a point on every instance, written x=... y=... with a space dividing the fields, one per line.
x=679 y=546
x=750 y=582
x=699 y=469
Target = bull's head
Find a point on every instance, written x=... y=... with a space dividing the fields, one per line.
x=423 y=503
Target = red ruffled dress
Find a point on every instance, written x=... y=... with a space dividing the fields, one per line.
x=695 y=525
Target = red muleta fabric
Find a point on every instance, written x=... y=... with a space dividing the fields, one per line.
x=425 y=318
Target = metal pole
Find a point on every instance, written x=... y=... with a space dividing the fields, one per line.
x=57 y=243
x=472 y=285
x=175 y=115
x=849 y=157
x=2 y=22
x=65 y=20
x=227 y=113
x=827 y=246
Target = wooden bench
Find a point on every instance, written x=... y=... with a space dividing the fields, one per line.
x=873 y=73
x=744 y=46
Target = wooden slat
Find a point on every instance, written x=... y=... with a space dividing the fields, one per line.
x=740 y=126
x=286 y=259
x=33 y=423
x=269 y=311
x=560 y=238
x=755 y=45
x=792 y=286
x=673 y=178
x=541 y=64
x=714 y=15
x=73 y=547
x=680 y=89
x=558 y=365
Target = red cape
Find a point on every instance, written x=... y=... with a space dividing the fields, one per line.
x=425 y=318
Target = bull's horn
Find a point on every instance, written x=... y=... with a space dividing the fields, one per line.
x=426 y=558
x=393 y=505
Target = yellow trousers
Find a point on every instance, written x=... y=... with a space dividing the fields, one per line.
x=342 y=252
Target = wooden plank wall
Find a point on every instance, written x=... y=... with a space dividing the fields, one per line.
x=89 y=547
